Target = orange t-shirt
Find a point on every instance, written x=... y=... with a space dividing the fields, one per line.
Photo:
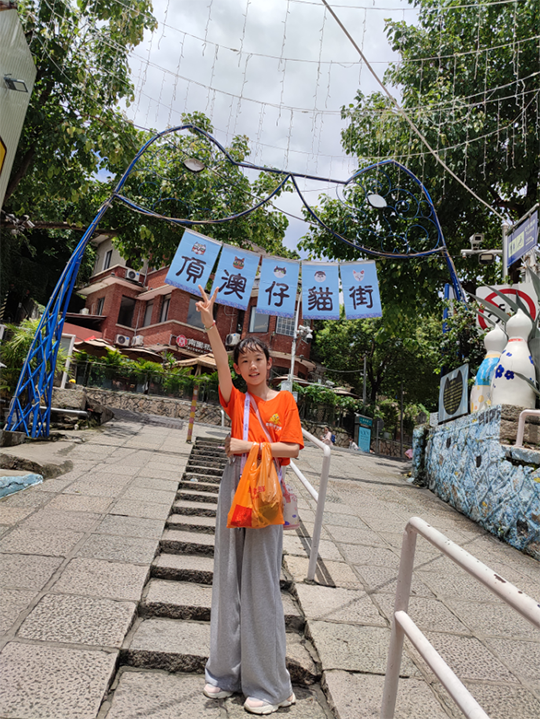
x=280 y=417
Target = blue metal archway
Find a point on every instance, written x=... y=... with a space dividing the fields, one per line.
x=381 y=216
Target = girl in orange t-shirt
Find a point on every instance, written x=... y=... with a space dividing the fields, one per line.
x=247 y=629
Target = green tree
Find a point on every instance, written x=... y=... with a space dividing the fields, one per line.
x=411 y=357
x=469 y=78
x=73 y=130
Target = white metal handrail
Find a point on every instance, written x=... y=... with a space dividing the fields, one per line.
x=403 y=624
x=521 y=424
x=319 y=497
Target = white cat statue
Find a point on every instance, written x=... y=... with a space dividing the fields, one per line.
x=506 y=387
x=494 y=342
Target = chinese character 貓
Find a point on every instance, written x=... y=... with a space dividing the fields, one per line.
x=320 y=291
x=320 y=299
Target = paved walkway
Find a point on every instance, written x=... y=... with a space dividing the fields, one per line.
x=75 y=554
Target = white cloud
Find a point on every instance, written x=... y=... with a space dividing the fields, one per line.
x=277 y=71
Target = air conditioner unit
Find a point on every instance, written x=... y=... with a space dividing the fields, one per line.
x=232 y=340
x=132 y=275
x=122 y=340
x=137 y=341
x=172 y=340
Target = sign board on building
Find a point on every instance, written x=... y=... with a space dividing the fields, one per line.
x=15 y=61
x=526 y=293
x=193 y=345
x=454 y=394
x=522 y=239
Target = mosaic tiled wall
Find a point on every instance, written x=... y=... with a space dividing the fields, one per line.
x=496 y=485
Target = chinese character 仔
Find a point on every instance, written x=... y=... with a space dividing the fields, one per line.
x=280 y=293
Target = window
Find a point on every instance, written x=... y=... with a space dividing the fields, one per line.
x=240 y=321
x=125 y=316
x=165 y=309
x=194 y=317
x=148 y=314
x=100 y=303
x=107 y=260
x=285 y=326
x=258 y=322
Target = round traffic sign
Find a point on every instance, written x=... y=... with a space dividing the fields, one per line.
x=493 y=297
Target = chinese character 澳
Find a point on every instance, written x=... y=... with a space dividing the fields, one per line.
x=234 y=284
x=194 y=268
x=279 y=294
x=320 y=299
x=361 y=296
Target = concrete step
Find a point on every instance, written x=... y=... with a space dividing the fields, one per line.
x=207 y=468
x=192 y=523
x=210 y=487
x=194 y=495
x=183 y=646
x=187 y=600
x=184 y=567
x=193 y=568
x=199 y=509
x=177 y=541
x=200 y=477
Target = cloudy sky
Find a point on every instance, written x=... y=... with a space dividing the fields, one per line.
x=278 y=71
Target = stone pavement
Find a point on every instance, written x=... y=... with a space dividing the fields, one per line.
x=76 y=555
x=493 y=650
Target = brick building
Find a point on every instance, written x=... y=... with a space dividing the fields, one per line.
x=137 y=309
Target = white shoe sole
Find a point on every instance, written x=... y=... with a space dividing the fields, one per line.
x=267 y=708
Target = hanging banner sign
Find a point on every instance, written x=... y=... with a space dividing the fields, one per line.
x=360 y=290
x=523 y=239
x=320 y=291
x=277 y=287
x=235 y=276
x=193 y=261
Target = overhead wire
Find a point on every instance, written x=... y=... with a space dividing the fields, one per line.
x=405 y=115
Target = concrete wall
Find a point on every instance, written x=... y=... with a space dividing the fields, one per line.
x=466 y=463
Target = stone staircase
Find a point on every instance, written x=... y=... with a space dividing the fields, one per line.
x=172 y=629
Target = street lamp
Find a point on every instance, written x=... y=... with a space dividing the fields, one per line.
x=305 y=333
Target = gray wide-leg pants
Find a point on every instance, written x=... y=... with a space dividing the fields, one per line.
x=247 y=629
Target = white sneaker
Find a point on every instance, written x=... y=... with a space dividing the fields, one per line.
x=260 y=706
x=213 y=692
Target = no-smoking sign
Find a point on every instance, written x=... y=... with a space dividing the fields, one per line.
x=526 y=293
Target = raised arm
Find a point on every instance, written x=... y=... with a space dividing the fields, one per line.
x=205 y=307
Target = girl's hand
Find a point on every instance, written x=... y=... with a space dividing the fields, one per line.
x=206 y=307
x=236 y=446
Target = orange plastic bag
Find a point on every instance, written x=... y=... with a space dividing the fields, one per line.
x=258 y=500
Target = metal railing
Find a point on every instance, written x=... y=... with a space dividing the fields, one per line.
x=319 y=497
x=521 y=424
x=403 y=625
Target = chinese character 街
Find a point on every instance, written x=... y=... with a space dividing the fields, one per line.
x=361 y=296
